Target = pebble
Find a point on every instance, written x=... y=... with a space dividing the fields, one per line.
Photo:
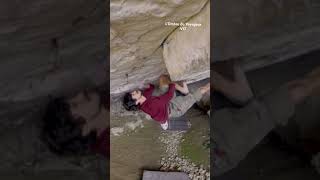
x=171 y=161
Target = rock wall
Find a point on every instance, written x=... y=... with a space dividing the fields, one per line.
x=137 y=36
x=262 y=32
x=49 y=47
x=186 y=53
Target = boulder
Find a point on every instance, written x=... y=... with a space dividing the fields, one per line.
x=186 y=53
x=138 y=34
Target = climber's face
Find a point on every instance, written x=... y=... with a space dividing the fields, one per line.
x=86 y=107
x=136 y=94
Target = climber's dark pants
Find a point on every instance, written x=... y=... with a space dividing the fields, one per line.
x=237 y=131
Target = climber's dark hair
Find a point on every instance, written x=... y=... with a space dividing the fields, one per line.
x=62 y=132
x=129 y=103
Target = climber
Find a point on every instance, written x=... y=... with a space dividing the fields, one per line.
x=162 y=104
x=238 y=130
x=77 y=125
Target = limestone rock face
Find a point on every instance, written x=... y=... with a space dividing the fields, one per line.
x=186 y=53
x=48 y=48
x=137 y=34
x=262 y=32
x=51 y=47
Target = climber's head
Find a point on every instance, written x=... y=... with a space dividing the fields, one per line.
x=130 y=100
x=62 y=132
x=137 y=94
x=69 y=124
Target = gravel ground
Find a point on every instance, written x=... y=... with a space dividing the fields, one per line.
x=171 y=161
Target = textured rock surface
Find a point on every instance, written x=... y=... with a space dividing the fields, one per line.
x=47 y=47
x=186 y=53
x=51 y=47
x=262 y=32
x=23 y=154
x=137 y=32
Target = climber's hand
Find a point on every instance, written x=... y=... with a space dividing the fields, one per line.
x=144 y=85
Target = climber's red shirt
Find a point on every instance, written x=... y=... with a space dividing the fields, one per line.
x=157 y=106
x=102 y=146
